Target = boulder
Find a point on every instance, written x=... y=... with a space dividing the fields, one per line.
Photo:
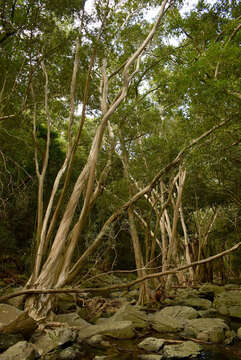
x=230 y=337
x=195 y=302
x=52 y=339
x=8 y=313
x=7 y=340
x=228 y=303
x=131 y=313
x=184 y=312
x=13 y=321
x=18 y=300
x=98 y=341
x=239 y=333
x=150 y=357
x=210 y=289
x=209 y=313
x=208 y=330
x=65 y=302
x=20 y=351
x=151 y=344
x=164 y=323
x=114 y=329
x=188 y=349
x=72 y=319
x=70 y=353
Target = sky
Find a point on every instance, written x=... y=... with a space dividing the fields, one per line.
x=188 y=5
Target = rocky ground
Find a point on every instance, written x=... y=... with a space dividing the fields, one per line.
x=99 y=328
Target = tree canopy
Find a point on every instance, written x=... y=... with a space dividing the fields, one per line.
x=117 y=127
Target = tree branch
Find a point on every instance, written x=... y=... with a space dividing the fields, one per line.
x=123 y=286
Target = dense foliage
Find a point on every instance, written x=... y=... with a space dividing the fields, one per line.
x=188 y=82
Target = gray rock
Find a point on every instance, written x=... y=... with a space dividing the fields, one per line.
x=212 y=289
x=13 y=321
x=229 y=303
x=210 y=313
x=164 y=323
x=72 y=319
x=70 y=353
x=188 y=349
x=95 y=340
x=20 y=351
x=98 y=341
x=184 y=312
x=8 y=314
x=133 y=294
x=232 y=286
x=205 y=329
x=131 y=313
x=151 y=344
x=239 y=333
x=187 y=292
x=7 y=340
x=230 y=337
x=196 y=303
x=150 y=357
x=114 y=329
x=18 y=300
x=52 y=339
x=65 y=302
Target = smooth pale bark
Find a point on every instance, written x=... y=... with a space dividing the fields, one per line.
x=144 y=291
x=56 y=272
x=186 y=244
x=147 y=189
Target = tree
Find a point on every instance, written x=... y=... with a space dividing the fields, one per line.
x=150 y=114
x=54 y=268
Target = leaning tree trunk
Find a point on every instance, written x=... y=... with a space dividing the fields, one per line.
x=54 y=269
x=144 y=290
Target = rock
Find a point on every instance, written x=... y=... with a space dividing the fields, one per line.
x=20 y=351
x=230 y=337
x=231 y=286
x=151 y=344
x=188 y=349
x=98 y=341
x=2 y=284
x=51 y=339
x=205 y=329
x=229 y=303
x=114 y=329
x=18 y=300
x=65 y=302
x=72 y=319
x=150 y=357
x=187 y=292
x=210 y=289
x=104 y=357
x=210 y=313
x=95 y=340
x=239 y=333
x=184 y=312
x=131 y=313
x=164 y=323
x=7 y=340
x=70 y=353
x=8 y=313
x=195 y=302
x=133 y=294
x=13 y=321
